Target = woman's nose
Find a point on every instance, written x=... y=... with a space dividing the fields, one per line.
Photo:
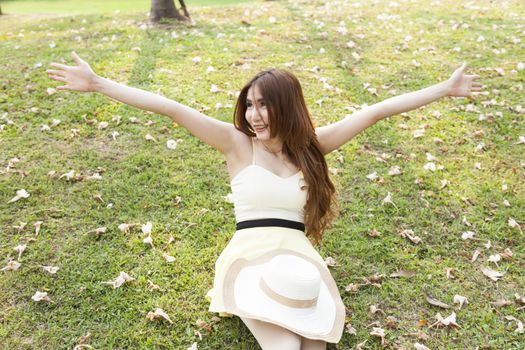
x=255 y=113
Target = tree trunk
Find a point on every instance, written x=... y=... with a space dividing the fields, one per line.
x=166 y=9
x=0 y=9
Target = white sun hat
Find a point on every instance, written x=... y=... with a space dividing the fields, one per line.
x=288 y=289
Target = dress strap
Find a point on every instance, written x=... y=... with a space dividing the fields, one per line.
x=253 y=152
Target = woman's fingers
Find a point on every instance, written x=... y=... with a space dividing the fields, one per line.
x=58 y=65
x=76 y=58
x=56 y=77
x=55 y=72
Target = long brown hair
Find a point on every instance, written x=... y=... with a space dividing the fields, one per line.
x=290 y=121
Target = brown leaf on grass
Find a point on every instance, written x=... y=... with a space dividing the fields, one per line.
x=410 y=235
x=391 y=322
x=449 y=271
x=353 y=288
x=374 y=233
x=329 y=261
x=98 y=231
x=492 y=274
x=50 y=269
x=168 y=257
x=38 y=225
x=519 y=298
x=501 y=303
x=204 y=325
x=19 y=195
x=152 y=286
x=374 y=309
x=519 y=328
x=459 y=299
x=433 y=301
x=20 y=249
x=403 y=273
x=12 y=265
x=126 y=227
x=419 y=335
x=158 y=314
x=507 y=254
x=350 y=329
x=120 y=280
x=82 y=342
x=450 y=321
x=41 y=296
x=475 y=255
x=378 y=332
x=374 y=279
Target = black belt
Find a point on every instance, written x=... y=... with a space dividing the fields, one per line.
x=270 y=222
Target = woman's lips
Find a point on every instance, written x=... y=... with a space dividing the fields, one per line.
x=260 y=128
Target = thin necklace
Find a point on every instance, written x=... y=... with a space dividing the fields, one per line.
x=276 y=154
x=269 y=150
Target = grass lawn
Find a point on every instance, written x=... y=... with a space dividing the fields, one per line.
x=95 y=6
x=346 y=54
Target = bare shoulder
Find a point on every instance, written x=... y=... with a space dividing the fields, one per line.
x=241 y=154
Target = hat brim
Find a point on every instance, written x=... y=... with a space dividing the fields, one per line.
x=243 y=297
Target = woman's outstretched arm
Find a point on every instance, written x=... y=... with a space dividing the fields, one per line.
x=334 y=135
x=216 y=133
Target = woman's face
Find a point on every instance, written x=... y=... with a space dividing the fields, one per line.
x=257 y=113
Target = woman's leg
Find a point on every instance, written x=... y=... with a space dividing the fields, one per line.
x=310 y=344
x=272 y=337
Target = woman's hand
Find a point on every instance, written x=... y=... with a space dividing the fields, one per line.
x=77 y=78
x=462 y=84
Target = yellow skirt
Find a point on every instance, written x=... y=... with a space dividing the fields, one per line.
x=249 y=244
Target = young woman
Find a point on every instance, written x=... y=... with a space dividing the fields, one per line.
x=269 y=274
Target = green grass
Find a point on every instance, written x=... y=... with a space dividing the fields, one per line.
x=142 y=180
x=95 y=6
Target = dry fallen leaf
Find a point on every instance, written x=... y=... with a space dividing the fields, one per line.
x=475 y=255
x=519 y=329
x=492 y=274
x=418 y=346
x=51 y=269
x=467 y=235
x=329 y=261
x=350 y=329
x=120 y=280
x=193 y=346
x=124 y=228
x=168 y=258
x=449 y=321
x=501 y=303
x=403 y=273
x=159 y=313
x=12 y=265
x=98 y=231
x=152 y=286
x=433 y=301
x=410 y=235
x=378 y=332
x=38 y=224
x=388 y=199
x=146 y=229
x=20 y=249
x=374 y=233
x=41 y=296
x=150 y=138
x=148 y=240
x=19 y=195
x=458 y=299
